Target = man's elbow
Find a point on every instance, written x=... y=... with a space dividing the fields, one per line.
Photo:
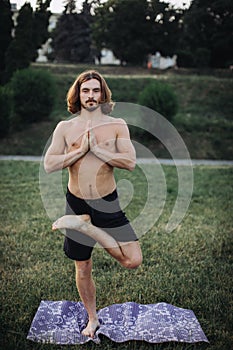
x=48 y=166
x=47 y=169
x=131 y=165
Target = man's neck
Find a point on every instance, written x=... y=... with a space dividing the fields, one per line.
x=91 y=115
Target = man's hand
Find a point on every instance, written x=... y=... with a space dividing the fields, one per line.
x=84 y=147
x=85 y=144
x=92 y=141
x=124 y=155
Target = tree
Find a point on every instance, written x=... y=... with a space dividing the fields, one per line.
x=132 y=29
x=70 y=7
x=41 y=23
x=122 y=27
x=6 y=27
x=72 y=35
x=30 y=33
x=208 y=32
x=166 y=26
x=20 y=51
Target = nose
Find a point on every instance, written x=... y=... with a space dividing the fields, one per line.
x=90 y=93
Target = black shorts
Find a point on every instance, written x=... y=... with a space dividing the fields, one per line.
x=105 y=213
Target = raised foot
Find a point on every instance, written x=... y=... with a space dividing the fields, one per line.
x=74 y=222
x=91 y=328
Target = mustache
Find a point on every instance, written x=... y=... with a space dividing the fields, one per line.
x=91 y=100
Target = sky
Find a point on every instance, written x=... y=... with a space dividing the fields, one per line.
x=57 y=6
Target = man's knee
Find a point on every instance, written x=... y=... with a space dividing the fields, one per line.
x=132 y=263
x=83 y=268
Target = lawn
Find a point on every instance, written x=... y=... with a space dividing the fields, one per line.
x=190 y=267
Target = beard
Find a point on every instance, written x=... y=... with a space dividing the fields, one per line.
x=91 y=108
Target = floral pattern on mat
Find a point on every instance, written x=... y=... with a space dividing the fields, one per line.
x=61 y=322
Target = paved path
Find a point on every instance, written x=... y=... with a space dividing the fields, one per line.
x=208 y=162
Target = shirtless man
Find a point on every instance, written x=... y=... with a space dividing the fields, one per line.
x=90 y=145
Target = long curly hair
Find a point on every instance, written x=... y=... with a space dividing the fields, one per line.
x=73 y=95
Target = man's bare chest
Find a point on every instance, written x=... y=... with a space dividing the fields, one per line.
x=105 y=136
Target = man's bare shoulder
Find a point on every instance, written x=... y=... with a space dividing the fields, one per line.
x=63 y=125
x=114 y=120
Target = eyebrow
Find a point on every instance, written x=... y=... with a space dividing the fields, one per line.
x=86 y=88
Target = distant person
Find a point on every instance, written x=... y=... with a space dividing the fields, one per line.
x=90 y=145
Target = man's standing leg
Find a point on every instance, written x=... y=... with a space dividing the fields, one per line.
x=87 y=291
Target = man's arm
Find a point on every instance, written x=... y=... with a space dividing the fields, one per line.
x=124 y=157
x=56 y=158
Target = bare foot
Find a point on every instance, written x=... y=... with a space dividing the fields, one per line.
x=71 y=221
x=83 y=224
x=91 y=328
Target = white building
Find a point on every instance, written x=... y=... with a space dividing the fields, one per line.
x=159 y=62
x=107 y=57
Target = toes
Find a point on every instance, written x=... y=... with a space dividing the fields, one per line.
x=58 y=224
x=71 y=221
x=90 y=331
x=54 y=225
x=87 y=334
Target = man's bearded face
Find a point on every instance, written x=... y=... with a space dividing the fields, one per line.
x=90 y=94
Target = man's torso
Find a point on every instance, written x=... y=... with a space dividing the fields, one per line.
x=90 y=177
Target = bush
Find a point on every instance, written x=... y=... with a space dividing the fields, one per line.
x=33 y=96
x=5 y=110
x=126 y=90
x=185 y=59
x=161 y=98
x=202 y=57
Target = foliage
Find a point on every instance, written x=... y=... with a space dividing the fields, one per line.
x=132 y=29
x=201 y=36
x=30 y=33
x=208 y=25
x=204 y=115
x=41 y=22
x=72 y=35
x=115 y=28
x=204 y=31
x=185 y=59
x=5 y=110
x=202 y=57
x=161 y=98
x=6 y=26
x=20 y=51
x=190 y=267
x=166 y=27
x=70 y=7
x=33 y=96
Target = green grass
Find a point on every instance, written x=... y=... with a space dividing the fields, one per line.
x=204 y=118
x=190 y=267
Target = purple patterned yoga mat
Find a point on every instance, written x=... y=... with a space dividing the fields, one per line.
x=61 y=322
